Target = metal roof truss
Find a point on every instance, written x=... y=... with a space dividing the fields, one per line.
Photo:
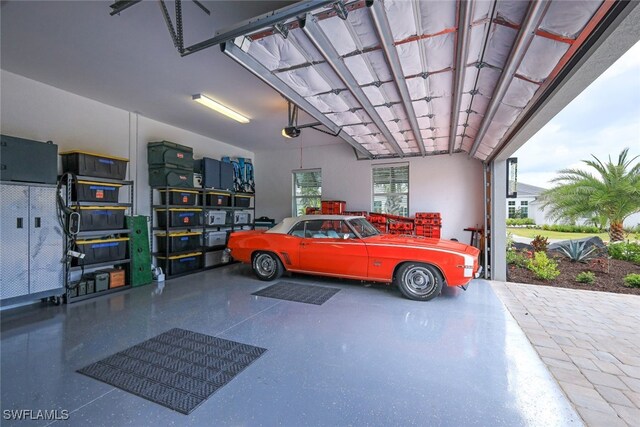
x=400 y=78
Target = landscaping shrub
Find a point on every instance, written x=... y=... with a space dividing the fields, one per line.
x=518 y=258
x=586 y=277
x=520 y=221
x=625 y=251
x=543 y=267
x=632 y=280
x=567 y=228
x=539 y=243
x=576 y=251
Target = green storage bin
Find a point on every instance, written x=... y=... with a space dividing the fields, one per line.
x=170 y=176
x=169 y=153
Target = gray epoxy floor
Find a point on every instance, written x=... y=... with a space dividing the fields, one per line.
x=365 y=357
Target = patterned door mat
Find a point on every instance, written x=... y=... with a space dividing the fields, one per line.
x=178 y=369
x=307 y=294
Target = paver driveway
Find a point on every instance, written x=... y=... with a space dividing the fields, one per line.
x=590 y=341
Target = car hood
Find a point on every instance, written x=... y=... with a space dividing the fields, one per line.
x=404 y=240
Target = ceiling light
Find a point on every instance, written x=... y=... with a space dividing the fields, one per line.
x=208 y=102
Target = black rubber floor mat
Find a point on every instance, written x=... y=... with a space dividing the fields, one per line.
x=178 y=369
x=307 y=294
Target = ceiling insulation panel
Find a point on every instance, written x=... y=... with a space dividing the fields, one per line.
x=513 y=49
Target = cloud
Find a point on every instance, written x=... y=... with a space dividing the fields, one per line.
x=602 y=120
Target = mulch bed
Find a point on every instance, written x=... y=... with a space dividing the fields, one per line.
x=605 y=282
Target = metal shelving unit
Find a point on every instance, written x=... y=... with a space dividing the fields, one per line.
x=201 y=200
x=69 y=241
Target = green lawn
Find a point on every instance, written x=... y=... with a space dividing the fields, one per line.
x=532 y=232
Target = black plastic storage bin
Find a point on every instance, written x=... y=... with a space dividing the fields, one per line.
x=170 y=176
x=179 y=197
x=27 y=160
x=179 y=242
x=210 y=171
x=96 y=218
x=226 y=176
x=91 y=164
x=242 y=201
x=90 y=191
x=101 y=250
x=213 y=198
x=179 y=217
x=181 y=263
x=169 y=153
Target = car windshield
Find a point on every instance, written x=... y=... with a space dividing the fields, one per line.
x=363 y=227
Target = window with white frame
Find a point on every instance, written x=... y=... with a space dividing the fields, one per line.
x=524 y=209
x=391 y=189
x=307 y=190
x=512 y=208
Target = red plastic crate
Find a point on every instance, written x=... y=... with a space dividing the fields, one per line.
x=312 y=211
x=356 y=213
x=429 y=215
x=333 y=207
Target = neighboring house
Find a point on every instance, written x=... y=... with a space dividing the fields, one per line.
x=527 y=205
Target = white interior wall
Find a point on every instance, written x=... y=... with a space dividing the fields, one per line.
x=34 y=110
x=451 y=185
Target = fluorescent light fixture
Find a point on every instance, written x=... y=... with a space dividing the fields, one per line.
x=208 y=102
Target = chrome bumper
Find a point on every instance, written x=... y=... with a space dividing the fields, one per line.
x=478 y=273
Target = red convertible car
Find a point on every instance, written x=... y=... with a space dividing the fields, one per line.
x=350 y=247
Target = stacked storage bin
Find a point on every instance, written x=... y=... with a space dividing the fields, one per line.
x=356 y=213
x=94 y=182
x=333 y=207
x=379 y=221
x=219 y=219
x=401 y=226
x=179 y=221
x=170 y=164
x=428 y=224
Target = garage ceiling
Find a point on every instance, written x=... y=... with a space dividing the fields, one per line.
x=129 y=61
x=402 y=78
x=395 y=78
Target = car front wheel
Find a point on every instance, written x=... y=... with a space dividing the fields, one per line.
x=420 y=282
x=267 y=266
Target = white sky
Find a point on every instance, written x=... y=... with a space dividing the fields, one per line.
x=602 y=120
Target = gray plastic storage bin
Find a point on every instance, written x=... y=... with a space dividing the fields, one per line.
x=216 y=218
x=215 y=238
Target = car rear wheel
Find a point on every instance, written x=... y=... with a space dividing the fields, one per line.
x=420 y=282
x=267 y=266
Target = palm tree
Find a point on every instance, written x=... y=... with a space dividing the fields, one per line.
x=613 y=192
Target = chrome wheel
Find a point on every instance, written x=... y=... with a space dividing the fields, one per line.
x=265 y=265
x=419 y=281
